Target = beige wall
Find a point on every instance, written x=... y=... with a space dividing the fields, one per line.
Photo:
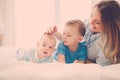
x=7 y=21
x=73 y=9
x=32 y=18
x=26 y=20
x=2 y=12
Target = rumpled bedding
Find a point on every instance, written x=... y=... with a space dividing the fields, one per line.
x=11 y=69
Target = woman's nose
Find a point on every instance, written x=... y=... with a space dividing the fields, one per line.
x=91 y=21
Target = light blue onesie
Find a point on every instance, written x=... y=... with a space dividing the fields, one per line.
x=30 y=55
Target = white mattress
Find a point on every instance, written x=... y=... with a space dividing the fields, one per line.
x=11 y=69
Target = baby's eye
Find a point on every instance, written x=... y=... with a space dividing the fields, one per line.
x=63 y=33
x=44 y=44
x=69 y=35
x=50 y=47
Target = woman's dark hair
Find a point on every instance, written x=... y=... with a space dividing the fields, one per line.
x=110 y=16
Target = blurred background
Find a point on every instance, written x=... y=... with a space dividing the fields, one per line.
x=22 y=22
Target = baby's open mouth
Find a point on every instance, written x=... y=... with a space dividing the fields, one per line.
x=45 y=52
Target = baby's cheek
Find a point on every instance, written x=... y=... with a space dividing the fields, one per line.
x=39 y=50
x=51 y=51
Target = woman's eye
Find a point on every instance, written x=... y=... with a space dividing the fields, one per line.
x=97 y=22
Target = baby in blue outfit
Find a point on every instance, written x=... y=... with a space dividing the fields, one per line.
x=43 y=53
x=71 y=49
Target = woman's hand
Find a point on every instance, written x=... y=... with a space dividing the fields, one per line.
x=88 y=61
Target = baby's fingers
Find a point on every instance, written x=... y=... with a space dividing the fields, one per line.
x=51 y=30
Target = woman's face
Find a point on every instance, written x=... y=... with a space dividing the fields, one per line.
x=96 y=23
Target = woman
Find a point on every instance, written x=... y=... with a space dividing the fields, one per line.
x=103 y=34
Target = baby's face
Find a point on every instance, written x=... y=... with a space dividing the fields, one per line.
x=71 y=35
x=46 y=47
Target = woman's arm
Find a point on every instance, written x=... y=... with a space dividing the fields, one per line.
x=81 y=62
x=88 y=61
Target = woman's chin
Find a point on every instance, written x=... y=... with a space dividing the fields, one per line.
x=93 y=30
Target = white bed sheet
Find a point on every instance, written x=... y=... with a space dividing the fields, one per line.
x=11 y=69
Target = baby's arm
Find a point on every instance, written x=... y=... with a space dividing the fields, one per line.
x=58 y=35
x=53 y=30
x=21 y=54
x=79 y=61
x=61 y=58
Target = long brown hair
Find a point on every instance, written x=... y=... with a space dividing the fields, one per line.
x=110 y=16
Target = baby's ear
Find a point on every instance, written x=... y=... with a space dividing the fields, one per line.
x=80 y=38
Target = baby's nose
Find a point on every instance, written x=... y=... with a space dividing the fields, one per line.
x=46 y=48
x=64 y=37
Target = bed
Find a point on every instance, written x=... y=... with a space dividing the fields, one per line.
x=11 y=69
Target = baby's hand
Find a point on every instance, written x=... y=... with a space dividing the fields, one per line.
x=76 y=61
x=51 y=30
x=32 y=61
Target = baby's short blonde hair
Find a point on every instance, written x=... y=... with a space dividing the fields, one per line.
x=79 y=23
x=50 y=36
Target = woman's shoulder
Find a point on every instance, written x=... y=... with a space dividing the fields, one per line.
x=88 y=30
